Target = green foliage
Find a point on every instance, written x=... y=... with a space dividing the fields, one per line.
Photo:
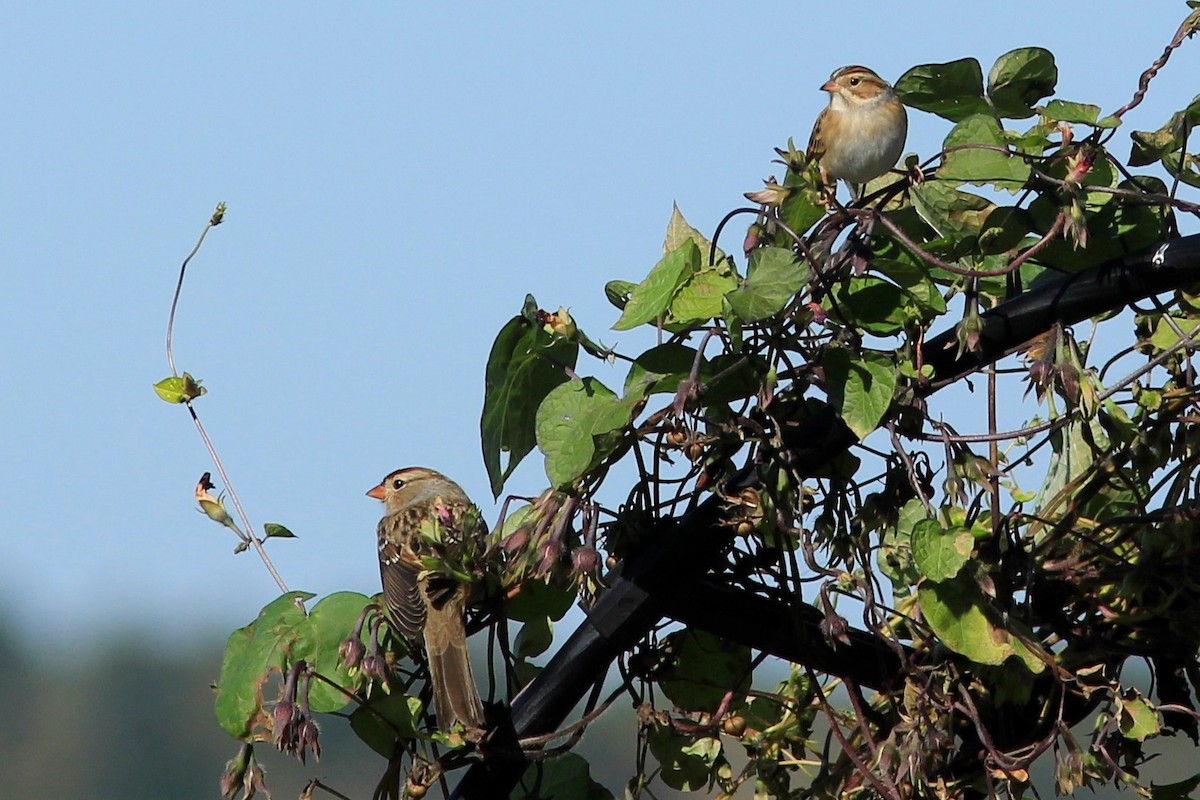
x=525 y=364
x=179 y=389
x=1005 y=610
x=811 y=326
x=281 y=635
x=565 y=777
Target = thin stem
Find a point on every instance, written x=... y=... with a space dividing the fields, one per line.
x=213 y=221
x=237 y=504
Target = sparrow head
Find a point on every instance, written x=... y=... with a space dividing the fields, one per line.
x=855 y=86
x=411 y=484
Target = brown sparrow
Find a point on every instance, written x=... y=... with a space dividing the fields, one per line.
x=860 y=134
x=420 y=502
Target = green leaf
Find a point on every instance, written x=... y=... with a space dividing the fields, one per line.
x=252 y=653
x=803 y=206
x=1165 y=330
x=940 y=552
x=1175 y=791
x=565 y=777
x=661 y=369
x=1136 y=718
x=679 y=232
x=276 y=531
x=1019 y=79
x=316 y=641
x=703 y=668
x=651 y=298
x=570 y=422
x=1004 y=228
x=687 y=762
x=534 y=638
x=913 y=280
x=875 y=305
x=981 y=159
x=179 y=389
x=618 y=292
x=953 y=90
x=1141 y=225
x=953 y=214
x=1167 y=145
x=525 y=364
x=1082 y=113
x=895 y=552
x=860 y=388
x=540 y=599
x=699 y=298
x=958 y=613
x=386 y=720
x=773 y=278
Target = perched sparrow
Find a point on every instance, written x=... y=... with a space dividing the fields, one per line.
x=431 y=607
x=860 y=134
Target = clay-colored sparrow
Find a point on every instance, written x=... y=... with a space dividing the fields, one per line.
x=860 y=134
x=431 y=607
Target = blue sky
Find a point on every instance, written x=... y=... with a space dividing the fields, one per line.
x=398 y=177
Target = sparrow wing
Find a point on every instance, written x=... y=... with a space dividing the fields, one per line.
x=816 y=147
x=401 y=588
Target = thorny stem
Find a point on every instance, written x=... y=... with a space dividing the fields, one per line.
x=216 y=219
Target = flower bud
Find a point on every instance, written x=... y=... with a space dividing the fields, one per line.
x=585 y=560
x=548 y=555
x=771 y=195
x=515 y=542
x=283 y=720
x=834 y=628
x=235 y=771
x=351 y=652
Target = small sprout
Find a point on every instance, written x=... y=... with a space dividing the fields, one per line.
x=179 y=389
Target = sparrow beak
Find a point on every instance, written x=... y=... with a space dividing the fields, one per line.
x=377 y=492
x=829 y=86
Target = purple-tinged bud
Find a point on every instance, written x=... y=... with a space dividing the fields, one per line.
x=445 y=516
x=834 y=628
x=585 y=560
x=283 y=720
x=235 y=771
x=548 y=555
x=350 y=653
x=309 y=736
x=753 y=236
x=516 y=541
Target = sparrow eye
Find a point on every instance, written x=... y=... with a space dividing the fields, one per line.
x=396 y=484
x=855 y=81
